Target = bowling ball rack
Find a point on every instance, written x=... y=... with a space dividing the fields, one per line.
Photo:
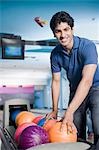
x=8 y=142
x=7 y=129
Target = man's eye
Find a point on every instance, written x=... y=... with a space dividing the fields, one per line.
x=67 y=29
x=57 y=31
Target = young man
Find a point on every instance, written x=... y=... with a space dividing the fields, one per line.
x=78 y=56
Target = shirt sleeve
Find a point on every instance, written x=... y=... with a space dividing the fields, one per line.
x=55 y=66
x=89 y=54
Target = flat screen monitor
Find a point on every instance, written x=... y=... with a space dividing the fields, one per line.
x=12 y=48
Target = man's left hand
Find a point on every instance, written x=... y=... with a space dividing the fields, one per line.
x=67 y=122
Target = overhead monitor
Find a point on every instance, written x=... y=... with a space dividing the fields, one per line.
x=12 y=48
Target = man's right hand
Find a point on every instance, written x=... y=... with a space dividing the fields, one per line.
x=53 y=115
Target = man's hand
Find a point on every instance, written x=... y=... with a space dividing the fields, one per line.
x=68 y=121
x=53 y=114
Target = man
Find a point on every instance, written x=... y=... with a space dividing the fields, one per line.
x=78 y=56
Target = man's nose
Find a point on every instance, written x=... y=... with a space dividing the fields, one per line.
x=62 y=34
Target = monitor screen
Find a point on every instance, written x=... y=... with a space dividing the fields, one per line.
x=12 y=48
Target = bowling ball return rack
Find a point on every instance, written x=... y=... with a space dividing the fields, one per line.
x=8 y=127
x=7 y=130
x=8 y=142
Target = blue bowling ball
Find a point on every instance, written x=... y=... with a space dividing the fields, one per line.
x=14 y=113
x=41 y=122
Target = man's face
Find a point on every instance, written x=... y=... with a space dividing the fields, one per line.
x=64 y=34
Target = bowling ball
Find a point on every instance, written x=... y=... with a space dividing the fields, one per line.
x=32 y=136
x=49 y=123
x=55 y=135
x=41 y=122
x=37 y=119
x=18 y=116
x=14 y=113
x=20 y=129
x=24 y=117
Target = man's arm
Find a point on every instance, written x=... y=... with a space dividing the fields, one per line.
x=55 y=95
x=81 y=92
x=55 y=90
x=83 y=87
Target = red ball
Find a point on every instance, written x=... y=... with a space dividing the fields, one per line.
x=37 y=119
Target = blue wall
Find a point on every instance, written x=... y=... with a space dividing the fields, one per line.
x=17 y=16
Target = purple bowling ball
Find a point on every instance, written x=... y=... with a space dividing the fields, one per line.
x=32 y=136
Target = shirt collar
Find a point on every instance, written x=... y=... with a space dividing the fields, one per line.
x=76 y=42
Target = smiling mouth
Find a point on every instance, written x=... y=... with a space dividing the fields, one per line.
x=63 y=41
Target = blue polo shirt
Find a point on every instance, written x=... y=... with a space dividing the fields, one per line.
x=83 y=53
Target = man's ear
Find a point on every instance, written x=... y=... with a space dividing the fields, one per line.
x=54 y=35
x=72 y=29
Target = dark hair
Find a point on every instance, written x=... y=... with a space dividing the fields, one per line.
x=59 y=17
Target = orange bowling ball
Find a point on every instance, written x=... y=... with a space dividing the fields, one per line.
x=49 y=124
x=24 y=117
x=18 y=116
x=56 y=135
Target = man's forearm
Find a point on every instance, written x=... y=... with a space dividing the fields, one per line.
x=83 y=87
x=55 y=94
x=80 y=95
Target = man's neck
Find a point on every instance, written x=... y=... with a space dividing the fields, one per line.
x=68 y=49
